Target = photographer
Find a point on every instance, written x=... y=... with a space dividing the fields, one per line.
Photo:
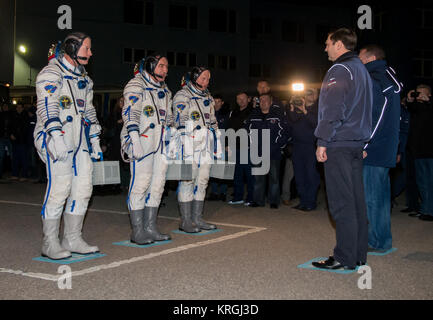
x=420 y=145
x=302 y=118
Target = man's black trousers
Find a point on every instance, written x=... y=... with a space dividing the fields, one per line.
x=346 y=201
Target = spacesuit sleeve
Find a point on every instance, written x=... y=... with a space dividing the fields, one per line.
x=132 y=107
x=180 y=110
x=48 y=85
x=90 y=113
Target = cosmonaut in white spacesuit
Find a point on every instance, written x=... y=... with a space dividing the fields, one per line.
x=66 y=138
x=147 y=117
x=194 y=116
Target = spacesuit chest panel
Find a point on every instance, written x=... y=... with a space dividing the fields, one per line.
x=154 y=106
x=73 y=97
x=200 y=110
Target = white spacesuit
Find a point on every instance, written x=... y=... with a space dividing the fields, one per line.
x=146 y=131
x=66 y=137
x=194 y=116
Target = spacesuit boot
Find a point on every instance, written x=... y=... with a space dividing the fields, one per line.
x=139 y=235
x=197 y=214
x=186 y=223
x=51 y=247
x=150 y=226
x=72 y=239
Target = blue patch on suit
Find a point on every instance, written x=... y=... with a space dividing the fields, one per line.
x=80 y=103
x=161 y=94
x=181 y=106
x=162 y=112
x=206 y=102
x=133 y=99
x=50 y=88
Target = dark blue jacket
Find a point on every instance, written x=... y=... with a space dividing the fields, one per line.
x=404 y=128
x=276 y=121
x=345 y=104
x=222 y=117
x=383 y=144
x=303 y=125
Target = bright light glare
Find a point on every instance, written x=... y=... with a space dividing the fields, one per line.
x=298 y=86
x=22 y=49
x=14 y=101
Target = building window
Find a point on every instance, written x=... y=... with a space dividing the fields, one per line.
x=222 y=20
x=222 y=62
x=292 y=32
x=134 y=55
x=423 y=64
x=260 y=28
x=424 y=18
x=182 y=17
x=138 y=12
x=181 y=59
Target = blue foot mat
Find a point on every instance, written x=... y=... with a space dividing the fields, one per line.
x=75 y=258
x=308 y=265
x=201 y=233
x=382 y=253
x=128 y=243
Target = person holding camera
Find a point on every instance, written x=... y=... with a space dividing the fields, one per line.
x=420 y=145
x=302 y=117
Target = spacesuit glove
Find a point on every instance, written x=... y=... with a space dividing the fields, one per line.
x=60 y=149
x=97 y=153
x=137 y=149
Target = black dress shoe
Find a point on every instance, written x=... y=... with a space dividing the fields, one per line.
x=297 y=207
x=331 y=264
x=223 y=197
x=426 y=217
x=414 y=215
x=274 y=206
x=255 y=205
x=408 y=210
x=306 y=209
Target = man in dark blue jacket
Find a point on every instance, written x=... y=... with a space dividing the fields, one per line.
x=381 y=150
x=344 y=126
x=302 y=117
x=269 y=117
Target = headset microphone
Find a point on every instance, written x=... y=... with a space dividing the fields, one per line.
x=82 y=58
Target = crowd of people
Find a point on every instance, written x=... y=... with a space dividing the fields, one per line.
x=314 y=133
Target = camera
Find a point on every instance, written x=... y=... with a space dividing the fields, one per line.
x=297 y=101
x=414 y=94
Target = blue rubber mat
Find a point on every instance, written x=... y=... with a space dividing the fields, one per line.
x=74 y=259
x=382 y=253
x=308 y=265
x=201 y=233
x=128 y=243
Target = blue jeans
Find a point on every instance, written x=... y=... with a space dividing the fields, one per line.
x=218 y=186
x=273 y=178
x=377 y=189
x=424 y=181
